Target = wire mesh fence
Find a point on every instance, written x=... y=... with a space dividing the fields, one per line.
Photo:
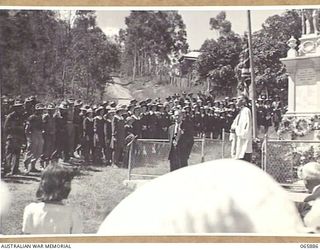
x=282 y=158
x=148 y=158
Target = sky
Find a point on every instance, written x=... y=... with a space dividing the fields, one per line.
x=197 y=22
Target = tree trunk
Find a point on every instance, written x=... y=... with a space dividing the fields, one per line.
x=134 y=64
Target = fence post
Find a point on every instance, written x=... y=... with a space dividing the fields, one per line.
x=223 y=138
x=130 y=162
x=202 y=147
x=265 y=152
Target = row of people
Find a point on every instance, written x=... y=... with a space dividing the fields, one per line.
x=71 y=128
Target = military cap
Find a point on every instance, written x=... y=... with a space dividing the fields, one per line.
x=85 y=107
x=11 y=101
x=63 y=105
x=133 y=101
x=78 y=103
x=99 y=108
x=39 y=106
x=89 y=110
x=70 y=100
x=112 y=110
x=121 y=107
x=50 y=106
x=27 y=100
x=17 y=103
x=113 y=104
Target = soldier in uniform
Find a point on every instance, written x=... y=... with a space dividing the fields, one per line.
x=277 y=112
x=77 y=125
x=14 y=134
x=152 y=121
x=144 y=120
x=260 y=113
x=99 y=137
x=4 y=113
x=136 y=124
x=108 y=117
x=62 y=144
x=164 y=122
x=88 y=148
x=268 y=115
x=49 y=135
x=34 y=130
x=70 y=126
x=118 y=136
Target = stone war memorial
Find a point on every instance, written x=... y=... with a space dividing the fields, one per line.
x=303 y=66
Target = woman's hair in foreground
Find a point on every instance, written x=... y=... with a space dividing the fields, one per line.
x=55 y=183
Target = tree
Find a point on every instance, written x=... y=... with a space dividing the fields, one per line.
x=220 y=56
x=151 y=41
x=54 y=57
x=221 y=24
x=269 y=45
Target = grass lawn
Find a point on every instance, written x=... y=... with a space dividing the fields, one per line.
x=95 y=192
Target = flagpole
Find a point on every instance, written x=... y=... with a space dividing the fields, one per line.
x=253 y=86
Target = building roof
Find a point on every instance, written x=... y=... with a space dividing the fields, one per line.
x=193 y=55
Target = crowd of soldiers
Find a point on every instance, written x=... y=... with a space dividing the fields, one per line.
x=100 y=133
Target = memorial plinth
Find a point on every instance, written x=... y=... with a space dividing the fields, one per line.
x=303 y=68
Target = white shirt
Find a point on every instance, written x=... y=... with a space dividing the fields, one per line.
x=51 y=218
x=242 y=125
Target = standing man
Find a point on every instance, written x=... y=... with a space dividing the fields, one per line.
x=99 y=136
x=49 y=135
x=181 y=142
x=77 y=125
x=118 y=137
x=14 y=135
x=241 y=131
x=70 y=127
x=34 y=129
x=60 y=119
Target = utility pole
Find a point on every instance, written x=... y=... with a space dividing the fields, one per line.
x=252 y=92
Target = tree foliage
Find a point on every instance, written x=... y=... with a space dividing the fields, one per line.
x=269 y=45
x=151 y=41
x=220 y=56
x=52 y=56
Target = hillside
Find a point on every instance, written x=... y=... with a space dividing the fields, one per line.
x=143 y=88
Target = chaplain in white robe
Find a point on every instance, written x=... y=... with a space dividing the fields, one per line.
x=241 y=131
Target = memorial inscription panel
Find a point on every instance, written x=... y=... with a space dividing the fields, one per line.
x=306 y=76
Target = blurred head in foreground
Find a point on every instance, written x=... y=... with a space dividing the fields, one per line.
x=55 y=184
x=5 y=198
x=310 y=174
x=222 y=196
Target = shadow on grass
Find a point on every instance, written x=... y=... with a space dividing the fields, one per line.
x=20 y=179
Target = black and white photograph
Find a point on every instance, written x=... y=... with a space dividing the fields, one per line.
x=160 y=121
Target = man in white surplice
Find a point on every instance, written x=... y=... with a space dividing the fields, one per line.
x=241 y=131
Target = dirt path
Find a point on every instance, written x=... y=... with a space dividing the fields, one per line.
x=118 y=92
